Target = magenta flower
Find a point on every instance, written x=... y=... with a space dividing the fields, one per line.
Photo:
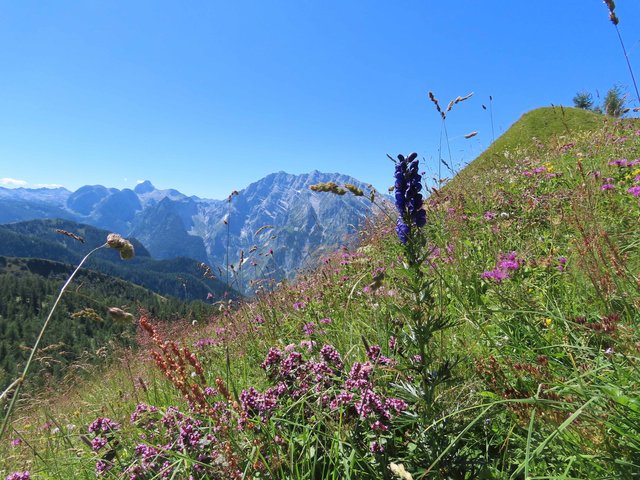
x=608 y=185
x=103 y=425
x=622 y=162
x=309 y=328
x=507 y=263
x=97 y=443
x=203 y=342
x=497 y=275
x=635 y=191
x=562 y=263
x=19 y=476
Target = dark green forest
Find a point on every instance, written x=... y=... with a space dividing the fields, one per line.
x=179 y=277
x=81 y=328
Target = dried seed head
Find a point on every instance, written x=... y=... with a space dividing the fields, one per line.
x=123 y=246
x=263 y=228
x=69 y=234
x=433 y=98
x=89 y=313
x=614 y=18
x=353 y=189
x=330 y=187
x=120 y=315
x=399 y=471
x=462 y=99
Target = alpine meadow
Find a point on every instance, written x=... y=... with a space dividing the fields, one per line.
x=478 y=320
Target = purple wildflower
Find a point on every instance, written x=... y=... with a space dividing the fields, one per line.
x=497 y=275
x=104 y=425
x=309 y=328
x=142 y=409
x=273 y=358
x=97 y=443
x=19 y=476
x=635 y=191
x=204 y=342
x=331 y=355
x=562 y=263
x=102 y=467
x=376 y=447
x=507 y=263
x=622 y=162
x=16 y=442
x=325 y=321
x=607 y=185
x=408 y=198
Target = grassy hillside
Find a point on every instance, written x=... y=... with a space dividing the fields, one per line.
x=501 y=341
x=534 y=131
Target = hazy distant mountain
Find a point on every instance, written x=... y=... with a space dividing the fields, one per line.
x=277 y=225
x=179 y=277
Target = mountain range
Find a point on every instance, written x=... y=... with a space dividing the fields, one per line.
x=267 y=231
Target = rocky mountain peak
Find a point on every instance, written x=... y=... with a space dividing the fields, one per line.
x=144 y=187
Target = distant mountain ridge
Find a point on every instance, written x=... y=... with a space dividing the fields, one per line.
x=270 y=229
x=180 y=277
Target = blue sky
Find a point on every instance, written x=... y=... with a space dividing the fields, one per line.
x=209 y=96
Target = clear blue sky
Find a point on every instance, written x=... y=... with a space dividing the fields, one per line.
x=208 y=96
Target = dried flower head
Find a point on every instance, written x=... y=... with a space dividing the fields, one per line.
x=123 y=246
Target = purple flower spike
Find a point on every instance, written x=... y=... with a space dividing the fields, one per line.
x=408 y=198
